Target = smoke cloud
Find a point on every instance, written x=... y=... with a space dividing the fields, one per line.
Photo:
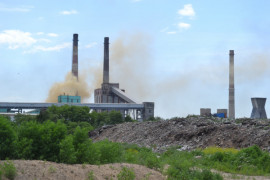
x=70 y=87
x=180 y=92
x=130 y=65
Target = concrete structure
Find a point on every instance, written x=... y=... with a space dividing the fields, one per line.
x=75 y=56
x=106 y=65
x=69 y=99
x=224 y=111
x=231 y=87
x=258 y=111
x=111 y=92
x=205 y=111
x=92 y=106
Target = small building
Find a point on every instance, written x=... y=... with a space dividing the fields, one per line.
x=69 y=99
x=3 y=110
x=223 y=111
x=205 y=111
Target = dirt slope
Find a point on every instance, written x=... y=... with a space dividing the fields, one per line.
x=189 y=133
x=43 y=170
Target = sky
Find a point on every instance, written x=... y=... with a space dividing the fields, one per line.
x=174 y=53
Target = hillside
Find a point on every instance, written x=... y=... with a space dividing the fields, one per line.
x=36 y=169
x=189 y=133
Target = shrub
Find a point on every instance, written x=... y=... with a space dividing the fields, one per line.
x=9 y=170
x=126 y=174
x=110 y=152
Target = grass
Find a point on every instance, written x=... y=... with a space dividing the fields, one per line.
x=90 y=175
x=126 y=174
x=9 y=170
x=52 y=169
x=213 y=150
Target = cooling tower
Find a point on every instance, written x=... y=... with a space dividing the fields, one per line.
x=258 y=111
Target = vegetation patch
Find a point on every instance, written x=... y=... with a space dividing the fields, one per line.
x=213 y=150
x=9 y=170
x=61 y=136
x=126 y=174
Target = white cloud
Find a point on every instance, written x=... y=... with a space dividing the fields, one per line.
x=187 y=11
x=16 y=9
x=69 y=12
x=184 y=25
x=171 y=32
x=91 y=45
x=53 y=48
x=16 y=38
x=52 y=35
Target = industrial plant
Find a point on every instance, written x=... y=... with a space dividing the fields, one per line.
x=258 y=111
x=107 y=98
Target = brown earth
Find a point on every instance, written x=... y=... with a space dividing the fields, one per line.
x=44 y=170
x=189 y=133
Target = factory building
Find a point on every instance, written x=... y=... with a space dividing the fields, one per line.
x=69 y=99
x=111 y=92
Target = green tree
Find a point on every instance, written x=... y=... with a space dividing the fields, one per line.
x=7 y=139
x=51 y=134
x=85 y=150
x=102 y=119
x=115 y=117
x=67 y=150
x=128 y=119
x=20 y=118
x=109 y=152
x=41 y=141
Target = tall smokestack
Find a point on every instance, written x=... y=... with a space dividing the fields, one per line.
x=106 y=61
x=231 y=87
x=75 y=56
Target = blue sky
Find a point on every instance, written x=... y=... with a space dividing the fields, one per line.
x=174 y=53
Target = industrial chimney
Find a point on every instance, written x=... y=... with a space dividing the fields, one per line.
x=75 y=56
x=106 y=61
x=231 y=87
x=258 y=111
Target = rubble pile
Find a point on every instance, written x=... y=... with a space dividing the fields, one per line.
x=189 y=133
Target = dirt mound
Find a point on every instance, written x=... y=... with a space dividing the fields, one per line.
x=35 y=169
x=189 y=133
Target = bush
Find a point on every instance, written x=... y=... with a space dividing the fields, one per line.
x=9 y=170
x=126 y=174
x=110 y=152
